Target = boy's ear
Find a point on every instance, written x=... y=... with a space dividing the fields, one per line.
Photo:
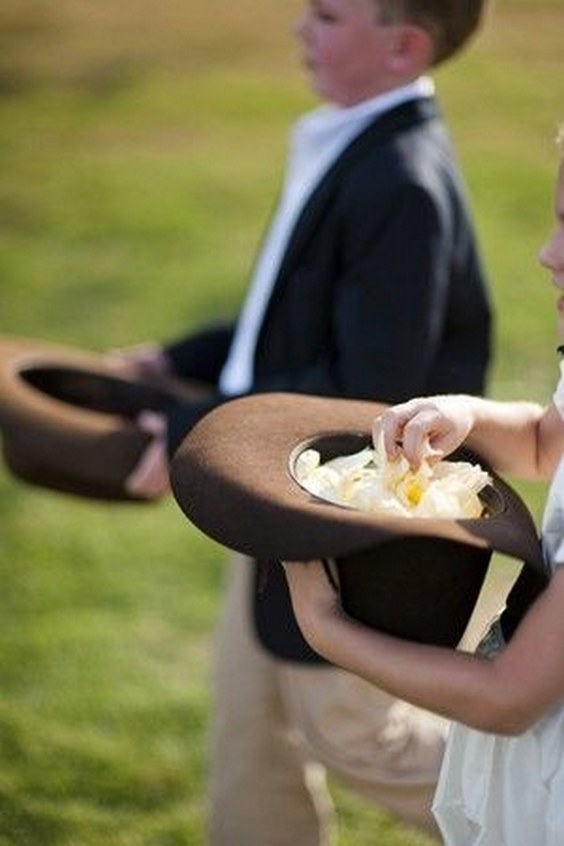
x=411 y=51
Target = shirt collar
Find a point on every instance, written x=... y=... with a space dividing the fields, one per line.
x=330 y=116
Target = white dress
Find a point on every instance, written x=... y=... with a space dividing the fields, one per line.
x=509 y=791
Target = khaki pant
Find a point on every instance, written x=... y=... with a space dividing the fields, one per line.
x=278 y=725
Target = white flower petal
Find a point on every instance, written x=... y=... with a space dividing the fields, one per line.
x=367 y=481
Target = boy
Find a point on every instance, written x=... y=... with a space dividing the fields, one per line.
x=368 y=284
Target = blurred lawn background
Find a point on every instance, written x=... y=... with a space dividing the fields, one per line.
x=140 y=151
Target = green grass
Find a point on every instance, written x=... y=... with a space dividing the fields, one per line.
x=140 y=155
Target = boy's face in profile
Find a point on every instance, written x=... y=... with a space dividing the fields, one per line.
x=346 y=50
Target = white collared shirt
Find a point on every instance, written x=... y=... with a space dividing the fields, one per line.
x=316 y=141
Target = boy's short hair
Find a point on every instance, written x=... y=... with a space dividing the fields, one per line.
x=449 y=22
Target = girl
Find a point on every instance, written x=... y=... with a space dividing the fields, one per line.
x=502 y=780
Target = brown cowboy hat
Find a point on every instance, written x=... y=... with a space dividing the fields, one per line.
x=68 y=420
x=414 y=577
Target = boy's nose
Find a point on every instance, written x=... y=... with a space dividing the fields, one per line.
x=545 y=255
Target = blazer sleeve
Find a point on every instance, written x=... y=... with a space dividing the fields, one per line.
x=198 y=356
x=201 y=355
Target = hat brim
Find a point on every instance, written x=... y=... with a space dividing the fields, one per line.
x=68 y=420
x=233 y=478
x=415 y=578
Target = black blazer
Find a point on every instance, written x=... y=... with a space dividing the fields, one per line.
x=380 y=295
x=381 y=292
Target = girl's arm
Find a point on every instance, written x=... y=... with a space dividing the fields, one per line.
x=504 y=695
x=520 y=438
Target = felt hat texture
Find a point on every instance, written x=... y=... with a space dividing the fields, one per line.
x=67 y=421
x=414 y=577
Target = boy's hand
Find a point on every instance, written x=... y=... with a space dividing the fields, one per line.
x=142 y=361
x=150 y=478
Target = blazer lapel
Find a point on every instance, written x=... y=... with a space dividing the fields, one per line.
x=377 y=132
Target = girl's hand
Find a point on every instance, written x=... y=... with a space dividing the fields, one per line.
x=315 y=600
x=427 y=428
